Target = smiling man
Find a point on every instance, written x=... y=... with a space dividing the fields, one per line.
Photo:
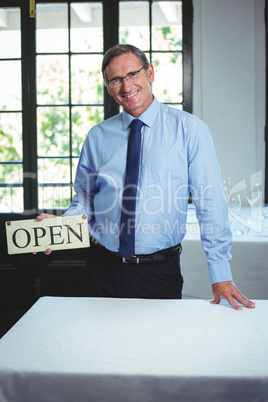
x=133 y=180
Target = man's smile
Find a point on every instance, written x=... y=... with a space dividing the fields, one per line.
x=130 y=95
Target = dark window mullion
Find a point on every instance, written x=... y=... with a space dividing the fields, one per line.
x=70 y=103
x=29 y=112
x=187 y=63
x=266 y=108
x=150 y=32
x=110 y=38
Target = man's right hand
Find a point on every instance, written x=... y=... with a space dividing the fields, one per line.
x=40 y=218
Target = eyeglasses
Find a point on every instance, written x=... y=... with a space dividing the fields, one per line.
x=130 y=77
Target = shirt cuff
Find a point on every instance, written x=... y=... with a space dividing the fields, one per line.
x=220 y=272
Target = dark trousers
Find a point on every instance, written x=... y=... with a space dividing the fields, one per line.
x=109 y=277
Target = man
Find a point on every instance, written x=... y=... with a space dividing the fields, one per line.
x=136 y=253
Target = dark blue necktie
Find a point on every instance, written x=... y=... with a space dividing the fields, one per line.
x=127 y=235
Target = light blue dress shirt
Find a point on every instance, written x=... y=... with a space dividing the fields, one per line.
x=177 y=156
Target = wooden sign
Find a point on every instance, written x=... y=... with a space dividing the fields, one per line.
x=31 y=235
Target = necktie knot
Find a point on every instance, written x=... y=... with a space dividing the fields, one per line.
x=136 y=125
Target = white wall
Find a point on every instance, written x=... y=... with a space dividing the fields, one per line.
x=229 y=81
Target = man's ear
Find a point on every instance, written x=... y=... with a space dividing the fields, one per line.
x=150 y=73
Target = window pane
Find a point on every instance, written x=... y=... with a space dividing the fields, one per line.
x=10 y=137
x=86 y=27
x=51 y=28
x=52 y=80
x=168 y=83
x=11 y=173
x=167 y=25
x=53 y=131
x=11 y=199
x=10 y=84
x=134 y=23
x=53 y=171
x=83 y=118
x=10 y=38
x=87 y=82
x=176 y=106
x=57 y=197
x=11 y=192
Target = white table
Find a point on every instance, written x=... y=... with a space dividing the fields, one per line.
x=135 y=350
x=249 y=262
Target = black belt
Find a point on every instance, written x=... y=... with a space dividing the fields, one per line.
x=158 y=256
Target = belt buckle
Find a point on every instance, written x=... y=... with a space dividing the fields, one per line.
x=126 y=262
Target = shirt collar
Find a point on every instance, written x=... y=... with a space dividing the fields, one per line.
x=147 y=117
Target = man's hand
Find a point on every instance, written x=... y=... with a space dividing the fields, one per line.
x=231 y=293
x=40 y=218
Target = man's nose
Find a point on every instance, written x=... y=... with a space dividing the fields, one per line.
x=126 y=84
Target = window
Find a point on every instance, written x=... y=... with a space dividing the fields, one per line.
x=69 y=93
x=11 y=167
x=52 y=90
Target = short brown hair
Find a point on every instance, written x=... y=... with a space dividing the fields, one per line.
x=116 y=51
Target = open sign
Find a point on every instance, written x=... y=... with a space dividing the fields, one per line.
x=58 y=233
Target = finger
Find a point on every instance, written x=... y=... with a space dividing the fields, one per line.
x=43 y=215
x=216 y=300
x=232 y=302
x=243 y=300
x=48 y=251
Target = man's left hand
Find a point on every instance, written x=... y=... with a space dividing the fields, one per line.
x=230 y=292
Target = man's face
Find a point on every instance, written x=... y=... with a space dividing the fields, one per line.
x=135 y=97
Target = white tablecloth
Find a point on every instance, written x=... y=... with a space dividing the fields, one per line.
x=249 y=262
x=134 y=350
